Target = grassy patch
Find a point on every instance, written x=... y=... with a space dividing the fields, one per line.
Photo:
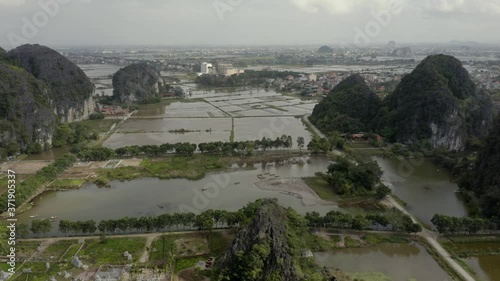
x=352 y=242
x=277 y=108
x=67 y=184
x=219 y=243
x=185 y=263
x=320 y=244
x=192 y=168
x=371 y=276
x=111 y=251
x=26 y=249
x=442 y=263
x=71 y=252
x=231 y=137
x=375 y=239
x=309 y=127
x=101 y=126
x=40 y=272
x=321 y=187
x=55 y=251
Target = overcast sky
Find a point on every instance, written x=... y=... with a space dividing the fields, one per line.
x=245 y=22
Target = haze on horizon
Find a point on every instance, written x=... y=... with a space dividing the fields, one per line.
x=244 y=22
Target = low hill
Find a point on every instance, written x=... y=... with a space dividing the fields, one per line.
x=349 y=108
x=325 y=50
x=70 y=89
x=437 y=102
x=136 y=83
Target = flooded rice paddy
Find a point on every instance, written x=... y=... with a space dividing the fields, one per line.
x=255 y=113
x=425 y=187
x=399 y=262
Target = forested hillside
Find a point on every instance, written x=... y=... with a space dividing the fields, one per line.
x=437 y=103
x=349 y=108
x=485 y=181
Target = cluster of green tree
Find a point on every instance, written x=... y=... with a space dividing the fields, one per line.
x=438 y=87
x=465 y=225
x=250 y=77
x=355 y=176
x=325 y=145
x=73 y=134
x=97 y=116
x=396 y=220
x=228 y=148
x=28 y=187
x=79 y=227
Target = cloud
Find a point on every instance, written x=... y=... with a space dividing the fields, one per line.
x=460 y=7
x=12 y=3
x=335 y=7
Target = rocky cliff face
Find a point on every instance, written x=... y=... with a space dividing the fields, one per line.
x=438 y=102
x=267 y=249
x=26 y=118
x=136 y=83
x=70 y=88
x=39 y=88
x=263 y=244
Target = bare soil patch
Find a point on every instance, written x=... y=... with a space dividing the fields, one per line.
x=294 y=187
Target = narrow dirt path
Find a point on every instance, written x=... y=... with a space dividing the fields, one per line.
x=149 y=241
x=430 y=237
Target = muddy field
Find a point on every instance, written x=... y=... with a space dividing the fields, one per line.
x=26 y=167
x=294 y=187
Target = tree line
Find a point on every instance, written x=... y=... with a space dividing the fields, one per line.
x=465 y=225
x=214 y=219
x=228 y=148
x=393 y=220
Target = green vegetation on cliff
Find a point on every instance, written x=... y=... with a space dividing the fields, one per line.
x=137 y=83
x=484 y=178
x=39 y=88
x=349 y=108
x=270 y=248
x=70 y=89
x=26 y=117
x=437 y=102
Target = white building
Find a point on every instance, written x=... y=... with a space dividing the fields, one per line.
x=206 y=68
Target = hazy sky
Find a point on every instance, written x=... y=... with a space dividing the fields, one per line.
x=245 y=22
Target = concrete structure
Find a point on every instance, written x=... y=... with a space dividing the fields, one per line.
x=223 y=67
x=206 y=68
x=77 y=262
x=233 y=71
